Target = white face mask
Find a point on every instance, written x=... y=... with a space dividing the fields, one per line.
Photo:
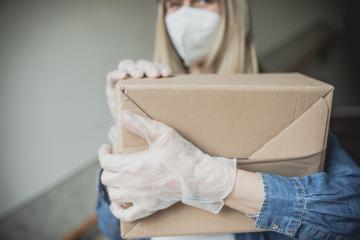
x=193 y=32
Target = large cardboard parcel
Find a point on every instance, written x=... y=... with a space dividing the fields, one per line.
x=275 y=123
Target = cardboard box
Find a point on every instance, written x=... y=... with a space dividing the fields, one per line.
x=275 y=123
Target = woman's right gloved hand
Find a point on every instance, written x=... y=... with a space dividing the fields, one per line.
x=132 y=69
x=172 y=169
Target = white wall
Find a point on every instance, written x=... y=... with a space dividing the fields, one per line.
x=53 y=59
x=54 y=56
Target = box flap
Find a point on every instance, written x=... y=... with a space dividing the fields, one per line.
x=328 y=99
x=289 y=143
x=133 y=144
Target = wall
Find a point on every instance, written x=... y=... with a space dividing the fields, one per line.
x=276 y=21
x=54 y=56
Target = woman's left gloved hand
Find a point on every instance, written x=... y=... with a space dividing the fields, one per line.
x=128 y=68
x=171 y=170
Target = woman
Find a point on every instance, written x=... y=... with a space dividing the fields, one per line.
x=214 y=36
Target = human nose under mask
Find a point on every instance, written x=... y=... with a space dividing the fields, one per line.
x=193 y=32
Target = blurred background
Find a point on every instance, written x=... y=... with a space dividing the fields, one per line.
x=54 y=56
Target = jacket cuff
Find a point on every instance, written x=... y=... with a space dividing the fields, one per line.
x=283 y=208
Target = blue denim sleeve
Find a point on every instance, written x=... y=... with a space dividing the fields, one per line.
x=325 y=205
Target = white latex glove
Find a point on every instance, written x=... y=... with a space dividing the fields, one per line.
x=171 y=170
x=130 y=69
x=112 y=135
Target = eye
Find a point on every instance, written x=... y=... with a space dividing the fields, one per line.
x=203 y=2
x=173 y=4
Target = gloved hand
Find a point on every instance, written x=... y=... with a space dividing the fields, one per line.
x=171 y=170
x=130 y=69
x=112 y=135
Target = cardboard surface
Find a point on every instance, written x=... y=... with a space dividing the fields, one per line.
x=274 y=123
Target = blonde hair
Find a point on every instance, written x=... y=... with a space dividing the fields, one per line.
x=233 y=51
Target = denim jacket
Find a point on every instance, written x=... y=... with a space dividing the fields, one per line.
x=325 y=205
